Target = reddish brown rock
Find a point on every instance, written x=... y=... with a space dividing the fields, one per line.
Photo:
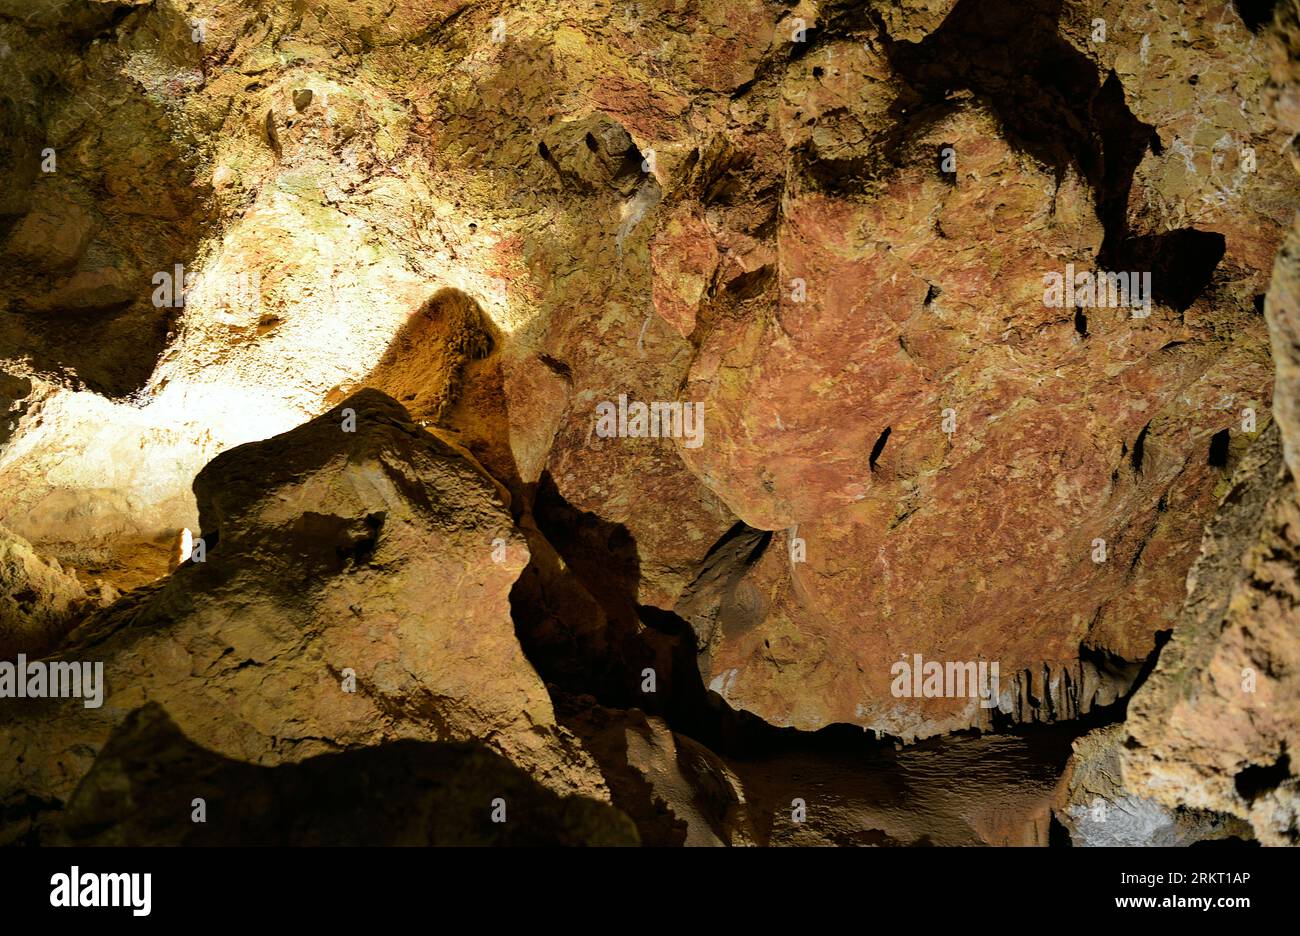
x=828 y=422
x=684 y=258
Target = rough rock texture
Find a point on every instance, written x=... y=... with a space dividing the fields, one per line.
x=145 y=786
x=826 y=224
x=1098 y=809
x=923 y=296
x=98 y=191
x=654 y=182
x=1214 y=704
x=783 y=788
x=39 y=602
x=1215 y=725
x=677 y=791
x=331 y=557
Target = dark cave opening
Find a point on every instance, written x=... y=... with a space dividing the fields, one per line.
x=1181 y=263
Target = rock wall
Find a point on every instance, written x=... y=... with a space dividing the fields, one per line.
x=712 y=377
x=1214 y=726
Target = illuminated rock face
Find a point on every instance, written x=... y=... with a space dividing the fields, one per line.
x=39 y=601
x=353 y=589
x=937 y=471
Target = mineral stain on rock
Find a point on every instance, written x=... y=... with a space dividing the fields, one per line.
x=411 y=251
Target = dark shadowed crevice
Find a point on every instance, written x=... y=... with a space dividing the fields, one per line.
x=741 y=545
x=1047 y=96
x=1058 y=836
x=799 y=49
x=942 y=158
x=603 y=554
x=1257 y=779
x=1255 y=14
x=1124 y=142
x=1181 y=263
x=879 y=447
x=1219 y=444
x=1231 y=841
x=1139 y=449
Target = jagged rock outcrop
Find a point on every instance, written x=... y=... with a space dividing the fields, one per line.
x=1214 y=726
x=39 y=602
x=821 y=232
x=1098 y=809
x=1220 y=708
x=354 y=590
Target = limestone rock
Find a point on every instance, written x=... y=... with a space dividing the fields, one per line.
x=348 y=596
x=150 y=781
x=1099 y=810
x=39 y=601
x=1212 y=726
x=828 y=225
